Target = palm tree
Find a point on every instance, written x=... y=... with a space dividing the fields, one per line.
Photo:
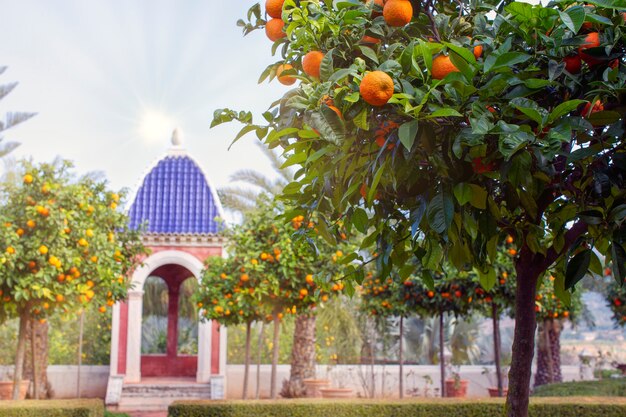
x=11 y=119
x=243 y=199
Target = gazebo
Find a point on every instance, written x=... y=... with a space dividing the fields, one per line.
x=179 y=212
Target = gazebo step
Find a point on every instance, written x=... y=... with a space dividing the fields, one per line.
x=178 y=391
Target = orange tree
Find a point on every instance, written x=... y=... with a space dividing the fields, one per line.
x=509 y=121
x=616 y=298
x=65 y=246
x=551 y=313
x=270 y=273
x=229 y=294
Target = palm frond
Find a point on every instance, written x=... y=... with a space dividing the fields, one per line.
x=6 y=89
x=15 y=118
x=277 y=162
x=8 y=147
x=254 y=178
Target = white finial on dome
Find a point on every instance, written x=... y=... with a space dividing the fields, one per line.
x=177 y=143
x=177 y=137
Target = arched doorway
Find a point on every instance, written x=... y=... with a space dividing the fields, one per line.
x=166 y=293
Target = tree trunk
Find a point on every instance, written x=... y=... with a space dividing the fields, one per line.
x=548 y=353
x=258 y=360
x=372 y=364
x=401 y=358
x=37 y=336
x=275 y=342
x=442 y=359
x=302 y=356
x=497 y=346
x=524 y=337
x=33 y=352
x=19 y=354
x=246 y=367
x=81 y=329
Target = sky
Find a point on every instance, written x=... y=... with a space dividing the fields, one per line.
x=110 y=80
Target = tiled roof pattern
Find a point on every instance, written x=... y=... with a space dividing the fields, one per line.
x=175 y=198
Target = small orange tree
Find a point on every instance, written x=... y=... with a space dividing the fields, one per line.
x=65 y=245
x=268 y=274
x=510 y=121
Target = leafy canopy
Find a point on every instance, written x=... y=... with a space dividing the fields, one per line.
x=514 y=140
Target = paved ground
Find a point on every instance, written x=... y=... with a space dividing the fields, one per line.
x=147 y=413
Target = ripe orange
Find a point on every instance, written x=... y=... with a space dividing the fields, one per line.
x=398 y=13
x=285 y=79
x=370 y=39
x=478 y=51
x=102 y=309
x=274 y=8
x=430 y=294
x=597 y=106
x=376 y=88
x=512 y=252
x=592 y=40
x=309 y=279
x=28 y=179
x=442 y=66
x=509 y=239
x=43 y=249
x=304 y=292
x=311 y=63
x=31 y=224
x=244 y=278
x=60 y=298
x=20 y=232
x=274 y=29
x=573 y=64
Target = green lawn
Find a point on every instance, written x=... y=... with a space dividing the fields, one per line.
x=603 y=388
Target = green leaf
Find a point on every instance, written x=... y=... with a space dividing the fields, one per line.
x=447 y=112
x=576 y=268
x=618 y=214
x=369 y=52
x=573 y=18
x=407 y=133
x=294 y=159
x=508 y=60
x=464 y=53
x=487 y=277
x=563 y=109
x=618 y=256
x=592 y=217
x=360 y=220
x=440 y=212
x=609 y=4
x=462 y=193
x=326 y=67
x=478 y=197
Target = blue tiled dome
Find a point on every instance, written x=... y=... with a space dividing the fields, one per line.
x=176 y=198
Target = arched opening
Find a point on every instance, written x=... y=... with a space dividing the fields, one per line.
x=187 y=318
x=169 y=341
x=154 y=316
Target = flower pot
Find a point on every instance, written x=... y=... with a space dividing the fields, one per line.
x=313 y=386
x=336 y=392
x=493 y=391
x=6 y=389
x=456 y=389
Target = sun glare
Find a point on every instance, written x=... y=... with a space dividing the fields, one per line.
x=155 y=126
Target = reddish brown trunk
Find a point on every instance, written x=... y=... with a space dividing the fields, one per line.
x=37 y=337
x=302 y=357
x=258 y=361
x=497 y=346
x=524 y=338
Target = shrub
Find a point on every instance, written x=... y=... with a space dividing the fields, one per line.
x=604 y=388
x=588 y=407
x=52 y=408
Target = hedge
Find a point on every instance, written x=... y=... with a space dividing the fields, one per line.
x=545 y=407
x=52 y=408
x=614 y=387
